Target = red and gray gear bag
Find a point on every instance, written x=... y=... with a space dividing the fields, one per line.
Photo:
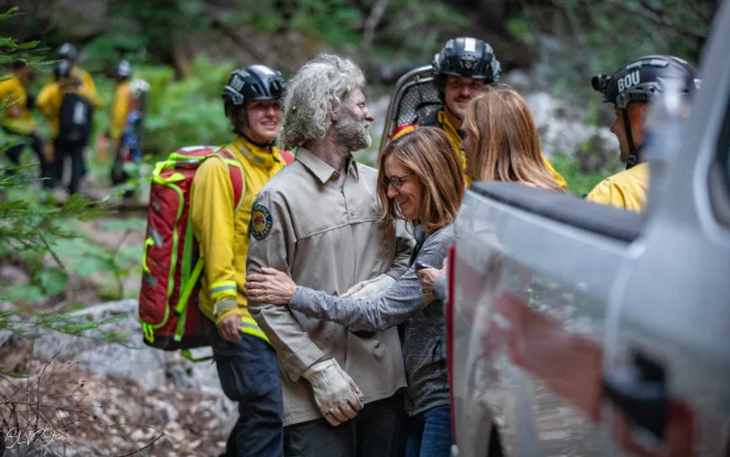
x=171 y=266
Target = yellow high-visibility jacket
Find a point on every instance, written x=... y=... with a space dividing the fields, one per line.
x=89 y=87
x=222 y=237
x=51 y=96
x=455 y=140
x=626 y=189
x=120 y=110
x=16 y=116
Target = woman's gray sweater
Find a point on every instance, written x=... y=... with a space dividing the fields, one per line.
x=424 y=348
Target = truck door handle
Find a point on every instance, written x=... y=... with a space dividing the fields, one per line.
x=640 y=392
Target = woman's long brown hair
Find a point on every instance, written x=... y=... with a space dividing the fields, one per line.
x=427 y=153
x=502 y=143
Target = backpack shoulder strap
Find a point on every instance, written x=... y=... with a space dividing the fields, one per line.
x=235 y=171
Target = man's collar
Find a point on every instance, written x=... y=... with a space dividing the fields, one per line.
x=320 y=168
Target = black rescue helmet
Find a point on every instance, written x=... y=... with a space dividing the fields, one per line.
x=468 y=57
x=123 y=71
x=639 y=80
x=68 y=51
x=254 y=82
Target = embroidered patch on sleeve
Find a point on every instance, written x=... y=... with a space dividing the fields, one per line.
x=260 y=222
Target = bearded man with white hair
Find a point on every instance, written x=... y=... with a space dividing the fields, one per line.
x=318 y=220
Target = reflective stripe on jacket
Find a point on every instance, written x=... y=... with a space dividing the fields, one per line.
x=222 y=237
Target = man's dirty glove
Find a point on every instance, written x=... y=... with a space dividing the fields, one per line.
x=336 y=394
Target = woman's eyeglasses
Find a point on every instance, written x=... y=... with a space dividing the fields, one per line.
x=396 y=181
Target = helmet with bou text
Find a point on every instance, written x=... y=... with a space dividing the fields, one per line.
x=251 y=83
x=641 y=81
x=468 y=57
x=643 y=78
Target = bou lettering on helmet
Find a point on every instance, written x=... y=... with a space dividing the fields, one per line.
x=468 y=57
x=640 y=80
x=251 y=83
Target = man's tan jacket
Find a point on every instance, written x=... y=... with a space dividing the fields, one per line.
x=323 y=229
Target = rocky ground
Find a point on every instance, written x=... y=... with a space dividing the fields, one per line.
x=86 y=397
x=96 y=415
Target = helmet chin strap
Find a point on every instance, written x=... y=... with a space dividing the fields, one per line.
x=256 y=143
x=635 y=156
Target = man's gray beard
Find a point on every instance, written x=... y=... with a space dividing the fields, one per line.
x=351 y=133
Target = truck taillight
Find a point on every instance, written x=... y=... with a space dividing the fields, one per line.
x=450 y=334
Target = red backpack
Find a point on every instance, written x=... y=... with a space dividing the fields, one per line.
x=171 y=265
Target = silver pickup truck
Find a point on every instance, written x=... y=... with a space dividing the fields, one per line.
x=576 y=329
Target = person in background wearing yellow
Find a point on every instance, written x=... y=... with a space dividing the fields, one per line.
x=68 y=105
x=121 y=107
x=68 y=52
x=15 y=118
x=246 y=362
x=630 y=90
x=120 y=104
x=461 y=71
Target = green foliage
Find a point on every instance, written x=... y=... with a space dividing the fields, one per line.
x=579 y=183
x=107 y=50
x=9 y=48
x=77 y=325
x=158 y=25
x=413 y=29
x=334 y=21
x=519 y=28
x=186 y=112
x=53 y=280
x=30 y=227
x=607 y=34
x=44 y=282
x=87 y=258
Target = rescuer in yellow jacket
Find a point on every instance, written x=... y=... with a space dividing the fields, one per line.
x=51 y=95
x=247 y=365
x=460 y=71
x=626 y=189
x=68 y=143
x=16 y=120
x=121 y=107
x=121 y=103
x=630 y=90
x=68 y=52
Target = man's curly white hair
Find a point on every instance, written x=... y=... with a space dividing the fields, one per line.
x=313 y=94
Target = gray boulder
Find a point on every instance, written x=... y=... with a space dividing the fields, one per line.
x=151 y=368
